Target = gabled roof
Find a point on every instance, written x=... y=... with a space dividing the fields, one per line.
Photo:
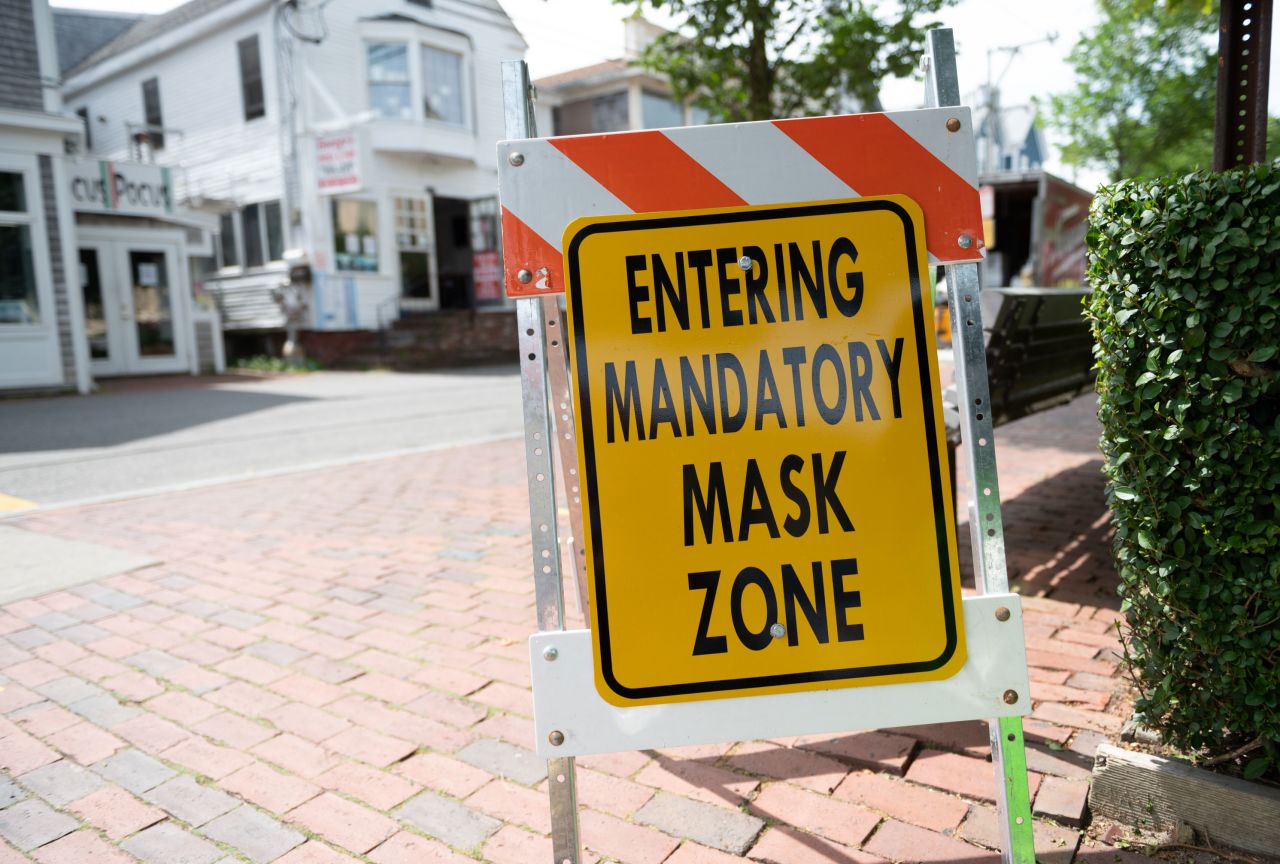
x=149 y=28
x=81 y=32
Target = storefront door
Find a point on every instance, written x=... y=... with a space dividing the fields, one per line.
x=136 y=314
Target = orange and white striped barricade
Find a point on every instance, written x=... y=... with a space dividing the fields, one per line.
x=743 y=392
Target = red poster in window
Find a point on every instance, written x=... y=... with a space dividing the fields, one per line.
x=486 y=269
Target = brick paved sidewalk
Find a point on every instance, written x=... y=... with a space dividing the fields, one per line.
x=331 y=667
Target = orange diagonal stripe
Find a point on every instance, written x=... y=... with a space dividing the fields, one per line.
x=647 y=171
x=524 y=249
x=876 y=157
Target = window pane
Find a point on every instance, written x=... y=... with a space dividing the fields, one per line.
x=442 y=86
x=251 y=224
x=355 y=235
x=83 y=114
x=227 y=239
x=389 y=81
x=13 y=196
x=152 y=314
x=151 y=110
x=660 y=111
x=275 y=231
x=95 y=318
x=609 y=113
x=699 y=116
x=251 y=78
x=19 y=303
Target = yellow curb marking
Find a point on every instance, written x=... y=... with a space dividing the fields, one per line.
x=9 y=502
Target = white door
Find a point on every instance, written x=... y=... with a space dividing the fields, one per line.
x=135 y=321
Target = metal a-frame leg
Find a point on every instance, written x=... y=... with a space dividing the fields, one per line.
x=536 y=360
x=1008 y=749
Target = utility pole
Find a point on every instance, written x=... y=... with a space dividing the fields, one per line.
x=991 y=130
x=1244 y=60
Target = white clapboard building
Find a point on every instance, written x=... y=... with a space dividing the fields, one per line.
x=349 y=144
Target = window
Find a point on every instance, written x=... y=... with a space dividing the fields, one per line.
x=442 y=86
x=83 y=114
x=413 y=243
x=19 y=301
x=275 y=231
x=254 y=236
x=227 y=240
x=389 y=94
x=659 y=112
x=151 y=111
x=355 y=235
x=251 y=94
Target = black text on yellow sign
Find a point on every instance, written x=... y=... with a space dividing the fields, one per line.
x=762 y=451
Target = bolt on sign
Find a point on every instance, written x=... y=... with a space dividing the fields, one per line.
x=761 y=441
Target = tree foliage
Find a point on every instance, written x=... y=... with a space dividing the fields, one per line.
x=764 y=59
x=1146 y=84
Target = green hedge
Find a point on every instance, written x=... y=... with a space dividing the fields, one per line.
x=1186 y=314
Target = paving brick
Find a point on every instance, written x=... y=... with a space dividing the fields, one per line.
x=34 y=672
x=315 y=852
x=801 y=767
x=20 y=753
x=838 y=820
x=192 y=802
x=905 y=801
x=205 y=758
x=782 y=844
x=166 y=843
x=386 y=688
x=1054 y=845
x=10 y=792
x=504 y=760
x=1079 y=718
x=182 y=708
x=69 y=690
x=133 y=686
x=697 y=780
x=151 y=733
x=720 y=828
x=197 y=679
x=270 y=789
x=134 y=770
x=343 y=823
x=43 y=718
x=296 y=755
x=455 y=712
x=379 y=789
x=117 y=813
x=406 y=848
x=963 y=775
x=514 y=804
x=232 y=730
x=898 y=841
x=61 y=782
x=969 y=737
x=695 y=853
x=85 y=743
x=104 y=711
x=610 y=794
x=512 y=845
x=80 y=847
x=443 y=773
x=453 y=822
x=880 y=751
x=253 y=833
x=630 y=844
x=1062 y=800
x=246 y=699
x=31 y=823
x=372 y=747
x=307 y=690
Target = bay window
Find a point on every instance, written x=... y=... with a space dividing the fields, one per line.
x=389 y=94
x=416 y=80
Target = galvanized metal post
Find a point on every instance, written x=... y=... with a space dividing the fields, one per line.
x=1244 y=58
x=1008 y=752
x=535 y=362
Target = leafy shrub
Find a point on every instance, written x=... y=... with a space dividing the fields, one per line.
x=1186 y=314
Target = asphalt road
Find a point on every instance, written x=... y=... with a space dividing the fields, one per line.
x=135 y=439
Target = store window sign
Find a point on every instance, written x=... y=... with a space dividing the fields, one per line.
x=121 y=187
x=337 y=163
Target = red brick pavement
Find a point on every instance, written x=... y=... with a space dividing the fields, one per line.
x=331 y=667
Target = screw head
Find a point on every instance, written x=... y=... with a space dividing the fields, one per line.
x=524 y=277
x=745 y=262
x=1002 y=613
x=516 y=159
x=1010 y=697
x=550 y=653
x=964 y=241
x=777 y=630
x=953 y=124
x=556 y=738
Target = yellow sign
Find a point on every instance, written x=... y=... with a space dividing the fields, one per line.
x=762 y=451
